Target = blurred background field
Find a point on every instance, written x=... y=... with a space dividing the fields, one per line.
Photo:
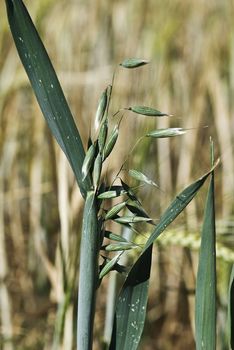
x=190 y=45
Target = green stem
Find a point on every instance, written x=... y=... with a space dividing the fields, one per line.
x=88 y=276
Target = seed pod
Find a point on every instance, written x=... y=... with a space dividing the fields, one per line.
x=114 y=237
x=120 y=246
x=137 y=210
x=109 y=266
x=101 y=109
x=131 y=219
x=148 y=111
x=133 y=63
x=102 y=136
x=129 y=192
x=141 y=177
x=88 y=161
x=110 y=194
x=111 y=142
x=97 y=169
x=169 y=132
x=114 y=210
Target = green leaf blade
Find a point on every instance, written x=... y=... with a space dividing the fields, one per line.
x=205 y=300
x=231 y=309
x=46 y=87
x=135 y=289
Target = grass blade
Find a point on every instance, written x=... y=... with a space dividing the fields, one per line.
x=46 y=87
x=132 y=301
x=231 y=309
x=205 y=304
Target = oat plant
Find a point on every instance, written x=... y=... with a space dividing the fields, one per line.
x=87 y=166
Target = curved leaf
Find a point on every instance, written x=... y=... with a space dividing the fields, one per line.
x=131 y=304
x=46 y=87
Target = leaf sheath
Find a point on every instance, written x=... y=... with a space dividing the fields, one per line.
x=88 y=277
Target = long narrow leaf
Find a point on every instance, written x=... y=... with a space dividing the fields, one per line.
x=205 y=305
x=132 y=301
x=46 y=87
x=231 y=309
x=205 y=298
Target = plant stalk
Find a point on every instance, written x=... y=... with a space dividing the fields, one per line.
x=88 y=276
